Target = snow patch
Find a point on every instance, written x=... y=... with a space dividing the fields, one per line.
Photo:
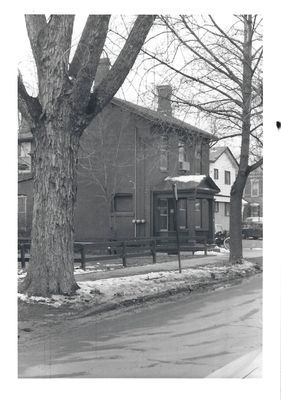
x=117 y=289
x=186 y=178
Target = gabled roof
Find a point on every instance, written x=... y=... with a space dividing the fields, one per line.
x=160 y=118
x=155 y=117
x=216 y=152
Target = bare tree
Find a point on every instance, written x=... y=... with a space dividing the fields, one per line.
x=217 y=74
x=64 y=107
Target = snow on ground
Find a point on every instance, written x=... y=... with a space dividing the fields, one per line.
x=115 y=290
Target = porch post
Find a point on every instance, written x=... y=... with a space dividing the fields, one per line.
x=191 y=225
x=211 y=234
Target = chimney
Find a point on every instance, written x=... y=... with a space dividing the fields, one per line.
x=164 y=99
x=102 y=70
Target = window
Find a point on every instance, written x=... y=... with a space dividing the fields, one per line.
x=182 y=154
x=22 y=204
x=163 y=159
x=182 y=213
x=254 y=187
x=217 y=207
x=22 y=212
x=123 y=202
x=227 y=209
x=198 y=216
x=163 y=214
x=24 y=162
x=216 y=173
x=227 y=179
x=197 y=158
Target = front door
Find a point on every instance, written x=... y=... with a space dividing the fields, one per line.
x=164 y=216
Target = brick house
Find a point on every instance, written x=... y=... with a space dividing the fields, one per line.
x=126 y=154
x=253 y=193
x=223 y=169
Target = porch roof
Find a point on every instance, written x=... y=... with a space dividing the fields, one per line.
x=188 y=182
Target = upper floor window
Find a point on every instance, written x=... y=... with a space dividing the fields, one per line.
x=217 y=207
x=255 y=188
x=182 y=153
x=197 y=157
x=184 y=165
x=24 y=154
x=163 y=159
x=227 y=178
x=216 y=173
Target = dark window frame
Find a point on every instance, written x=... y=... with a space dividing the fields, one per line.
x=227 y=209
x=227 y=177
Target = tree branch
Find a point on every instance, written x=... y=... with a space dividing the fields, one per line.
x=35 y=24
x=29 y=106
x=90 y=46
x=237 y=102
x=254 y=166
x=227 y=71
x=117 y=74
x=226 y=35
x=86 y=58
x=257 y=63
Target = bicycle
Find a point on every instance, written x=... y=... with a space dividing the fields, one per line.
x=226 y=243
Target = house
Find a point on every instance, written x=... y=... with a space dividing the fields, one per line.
x=223 y=169
x=253 y=193
x=126 y=154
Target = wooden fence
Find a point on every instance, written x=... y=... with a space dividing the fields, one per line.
x=85 y=252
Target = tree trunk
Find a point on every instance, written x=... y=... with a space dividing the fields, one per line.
x=236 y=250
x=52 y=258
x=235 y=226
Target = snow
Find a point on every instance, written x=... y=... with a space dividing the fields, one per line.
x=115 y=290
x=186 y=178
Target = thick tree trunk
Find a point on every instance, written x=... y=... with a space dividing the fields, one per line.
x=52 y=261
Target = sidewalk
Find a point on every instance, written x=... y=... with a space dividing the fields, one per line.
x=195 y=262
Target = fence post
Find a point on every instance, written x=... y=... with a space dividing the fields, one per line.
x=124 y=261
x=83 y=257
x=22 y=255
x=153 y=250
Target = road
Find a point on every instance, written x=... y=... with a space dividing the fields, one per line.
x=185 y=337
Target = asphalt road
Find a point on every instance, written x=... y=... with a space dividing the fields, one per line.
x=185 y=337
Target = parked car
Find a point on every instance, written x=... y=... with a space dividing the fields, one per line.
x=252 y=228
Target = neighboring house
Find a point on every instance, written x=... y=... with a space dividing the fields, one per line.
x=126 y=154
x=223 y=169
x=253 y=194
